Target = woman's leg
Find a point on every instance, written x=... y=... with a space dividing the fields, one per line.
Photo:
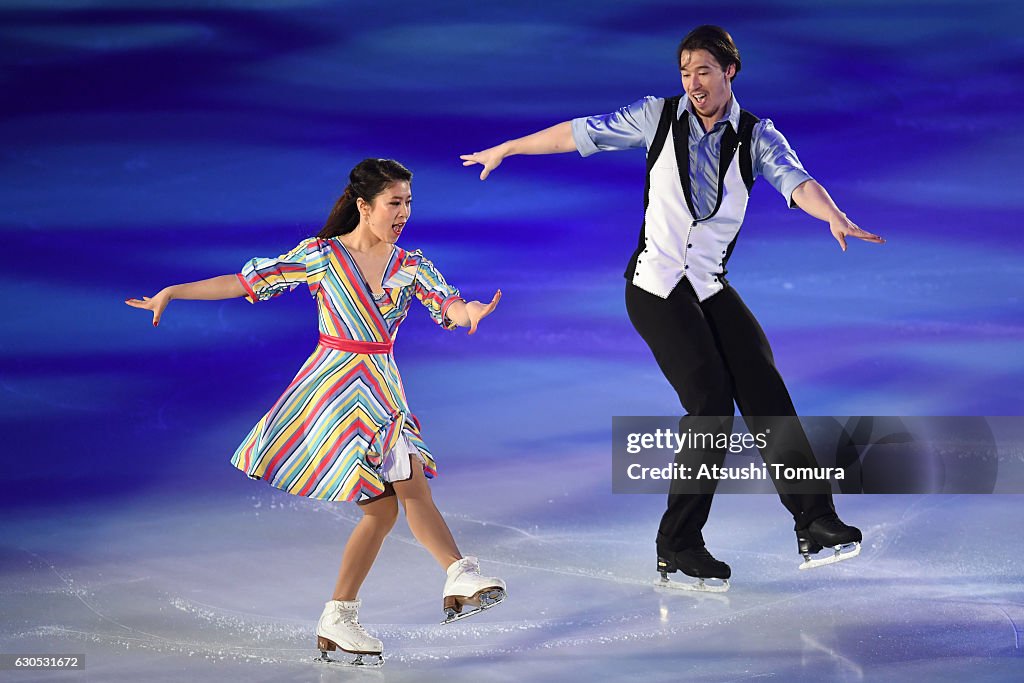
x=425 y=521
x=364 y=544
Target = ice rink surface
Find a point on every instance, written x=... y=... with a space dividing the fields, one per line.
x=170 y=588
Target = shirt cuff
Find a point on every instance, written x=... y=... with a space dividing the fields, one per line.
x=789 y=185
x=584 y=145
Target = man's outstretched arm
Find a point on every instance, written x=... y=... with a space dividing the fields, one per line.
x=554 y=140
x=814 y=200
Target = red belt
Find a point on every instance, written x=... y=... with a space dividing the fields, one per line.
x=353 y=346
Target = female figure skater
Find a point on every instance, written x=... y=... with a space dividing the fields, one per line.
x=343 y=430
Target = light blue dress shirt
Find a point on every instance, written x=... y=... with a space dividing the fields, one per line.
x=635 y=125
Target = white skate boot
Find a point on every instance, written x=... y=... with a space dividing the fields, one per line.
x=465 y=587
x=339 y=629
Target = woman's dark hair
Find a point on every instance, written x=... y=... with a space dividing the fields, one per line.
x=717 y=41
x=368 y=179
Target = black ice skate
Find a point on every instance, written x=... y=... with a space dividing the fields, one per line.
x=828 y=532
x=695 y=562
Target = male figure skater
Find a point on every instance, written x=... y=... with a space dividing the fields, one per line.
x=704 y=153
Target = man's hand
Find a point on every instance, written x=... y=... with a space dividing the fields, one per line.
x=490 y=159
x=842 y=227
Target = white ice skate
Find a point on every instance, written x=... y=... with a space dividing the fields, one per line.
x=465 y=587
x=339 y=629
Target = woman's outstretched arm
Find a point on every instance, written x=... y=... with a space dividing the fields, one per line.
x=211 y=289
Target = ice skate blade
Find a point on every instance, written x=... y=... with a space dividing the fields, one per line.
x=484 y=600
x=326 y=645
x=839 y=554
x=358 y=661
x=700 y=586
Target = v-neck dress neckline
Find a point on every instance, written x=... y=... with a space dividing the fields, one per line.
x=362 y=275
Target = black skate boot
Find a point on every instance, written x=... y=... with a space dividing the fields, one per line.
x=828 y=532
x=696 y=562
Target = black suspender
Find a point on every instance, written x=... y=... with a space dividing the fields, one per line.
x=747 y=123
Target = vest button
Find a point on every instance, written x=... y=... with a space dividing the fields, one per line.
x=689 y=246
x=686 y=267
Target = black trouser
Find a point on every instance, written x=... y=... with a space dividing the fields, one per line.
x=714 y=352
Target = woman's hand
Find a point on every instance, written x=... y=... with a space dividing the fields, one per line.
x=478 y=311
x=157 y=304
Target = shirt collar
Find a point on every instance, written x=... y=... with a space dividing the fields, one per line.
x=732 y=117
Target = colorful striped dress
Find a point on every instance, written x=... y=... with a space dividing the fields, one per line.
x=327 y=435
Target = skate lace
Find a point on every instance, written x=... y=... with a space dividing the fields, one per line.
x=351 y=620
x=469 y=565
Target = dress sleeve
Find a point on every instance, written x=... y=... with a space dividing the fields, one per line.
x=434 y=293
x=265 y=278
x=625 y=128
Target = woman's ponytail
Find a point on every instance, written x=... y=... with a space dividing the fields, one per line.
x=344 y=217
